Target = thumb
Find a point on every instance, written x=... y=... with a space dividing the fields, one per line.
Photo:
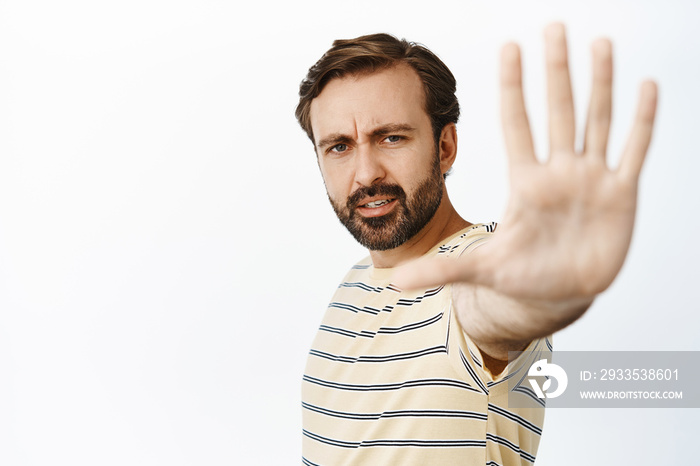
x=431 y=271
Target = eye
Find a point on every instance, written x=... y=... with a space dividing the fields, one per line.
x=339 y=148
x=393 y=138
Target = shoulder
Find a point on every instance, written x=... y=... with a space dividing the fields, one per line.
x=467 y=238
x=360 y=270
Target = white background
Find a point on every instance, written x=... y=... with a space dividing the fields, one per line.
x=167 y=249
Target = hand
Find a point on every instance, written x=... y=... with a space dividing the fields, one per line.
x=568 y=223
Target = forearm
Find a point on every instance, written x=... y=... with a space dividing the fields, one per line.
x=498 y=323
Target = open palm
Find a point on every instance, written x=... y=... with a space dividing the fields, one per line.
x=569 y=220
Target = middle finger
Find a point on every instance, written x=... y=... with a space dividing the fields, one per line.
x=562 y=127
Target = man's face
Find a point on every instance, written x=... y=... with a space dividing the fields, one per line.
x=377 y=155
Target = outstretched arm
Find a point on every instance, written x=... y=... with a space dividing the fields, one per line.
x=568 y=223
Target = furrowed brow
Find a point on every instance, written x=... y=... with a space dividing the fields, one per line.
x=339 y=138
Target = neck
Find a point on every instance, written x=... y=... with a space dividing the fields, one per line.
x=446 y=222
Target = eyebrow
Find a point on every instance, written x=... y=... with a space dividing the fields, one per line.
x=334 y=139
x=393 y=128
x=339 y=138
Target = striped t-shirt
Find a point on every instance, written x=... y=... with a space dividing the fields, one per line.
x=392 y=379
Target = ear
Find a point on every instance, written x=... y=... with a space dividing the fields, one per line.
x=448 y=147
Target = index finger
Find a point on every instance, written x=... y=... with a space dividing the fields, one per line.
x=516 y=127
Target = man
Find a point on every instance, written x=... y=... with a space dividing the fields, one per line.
x=410 y=363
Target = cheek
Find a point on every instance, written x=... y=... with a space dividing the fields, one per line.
x=411 y=176
x=338 y=184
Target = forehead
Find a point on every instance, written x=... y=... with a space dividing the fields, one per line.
x=357 y=103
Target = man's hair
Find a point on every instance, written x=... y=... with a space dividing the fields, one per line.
x=375 y=52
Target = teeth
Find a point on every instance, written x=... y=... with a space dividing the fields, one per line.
x=374 y=204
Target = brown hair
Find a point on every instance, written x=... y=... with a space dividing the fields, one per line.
x=374 y=52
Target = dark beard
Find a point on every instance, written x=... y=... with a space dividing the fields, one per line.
x=402 y=223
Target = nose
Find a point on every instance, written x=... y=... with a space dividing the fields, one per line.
x=369 y=168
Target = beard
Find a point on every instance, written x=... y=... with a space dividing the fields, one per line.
x=408 y=217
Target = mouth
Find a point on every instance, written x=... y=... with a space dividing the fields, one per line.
x=377 y=207
x=377 y=203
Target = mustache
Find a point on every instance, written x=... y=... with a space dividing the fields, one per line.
x=391 y=190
